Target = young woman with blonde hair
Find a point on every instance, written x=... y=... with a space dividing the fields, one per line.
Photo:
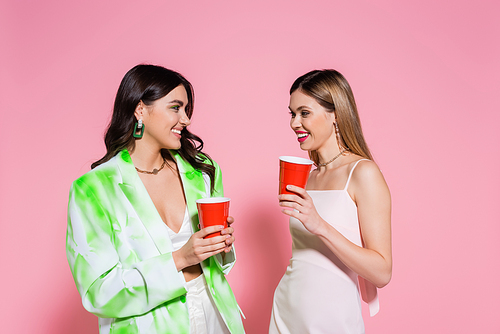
x=340 y=224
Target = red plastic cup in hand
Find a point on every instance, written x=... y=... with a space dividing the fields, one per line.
x=294 y=171
x=213 y=211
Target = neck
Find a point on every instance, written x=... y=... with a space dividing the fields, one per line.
x=328 y=151
x=145 y=157
x=329 y=155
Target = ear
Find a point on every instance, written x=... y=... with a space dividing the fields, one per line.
x=332 y=118
x=139 y=110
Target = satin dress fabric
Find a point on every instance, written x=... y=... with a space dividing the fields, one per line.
x=318 y=293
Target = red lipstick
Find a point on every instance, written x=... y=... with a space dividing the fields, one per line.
x=301 y=139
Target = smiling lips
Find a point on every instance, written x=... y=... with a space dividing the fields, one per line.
x=301 y=136
x=177 y=132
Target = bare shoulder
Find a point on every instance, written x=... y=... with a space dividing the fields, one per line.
x=367 y=179
x=365 y=170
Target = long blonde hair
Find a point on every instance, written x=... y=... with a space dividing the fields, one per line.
x=332 y=91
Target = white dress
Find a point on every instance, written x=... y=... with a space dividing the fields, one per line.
x=318 y=293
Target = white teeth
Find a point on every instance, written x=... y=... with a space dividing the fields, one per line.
x=176 y=131
x=302 y=135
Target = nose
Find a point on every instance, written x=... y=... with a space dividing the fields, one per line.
x=295 y=122
x=184 y=120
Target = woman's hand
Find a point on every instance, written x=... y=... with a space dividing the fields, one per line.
x=303 y=203
x=197 y=249
x=228 y=232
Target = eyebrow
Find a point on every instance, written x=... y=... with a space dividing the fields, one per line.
x=299 y=108
x=181 y=103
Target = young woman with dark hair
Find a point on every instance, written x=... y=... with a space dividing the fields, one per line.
x=138 y=257
x=340 y=224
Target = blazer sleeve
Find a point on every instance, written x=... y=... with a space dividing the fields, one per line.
x=226 y=264
x=107 y=287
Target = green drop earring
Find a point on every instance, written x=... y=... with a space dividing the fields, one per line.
x=138 y=127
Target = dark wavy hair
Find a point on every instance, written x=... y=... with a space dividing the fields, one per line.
x=148 y=83
x=332 y=91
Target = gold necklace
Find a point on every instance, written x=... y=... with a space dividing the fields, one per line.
x=335 y=157
x=154 y=171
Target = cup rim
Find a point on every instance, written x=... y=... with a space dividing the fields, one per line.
x=213 y=200
x=296 y=160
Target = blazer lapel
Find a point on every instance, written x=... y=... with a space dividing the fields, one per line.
x=133 y=188
x=193 y=184
x=195 y=188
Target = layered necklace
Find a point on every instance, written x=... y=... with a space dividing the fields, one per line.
x=334 y=158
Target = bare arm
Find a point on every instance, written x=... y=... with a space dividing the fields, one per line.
x=372 y=197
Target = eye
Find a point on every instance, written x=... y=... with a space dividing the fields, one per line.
x=292 y=114
x=304 y=113
x=176 y=107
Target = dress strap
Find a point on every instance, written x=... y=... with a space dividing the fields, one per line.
x=352 y=170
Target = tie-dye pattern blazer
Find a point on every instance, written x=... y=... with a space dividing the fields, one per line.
x=120 y=253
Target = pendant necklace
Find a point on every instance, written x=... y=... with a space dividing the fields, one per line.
x=154 y=171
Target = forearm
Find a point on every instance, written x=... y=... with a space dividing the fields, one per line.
x=365 y=262
x=179 y=260
x=133 y=291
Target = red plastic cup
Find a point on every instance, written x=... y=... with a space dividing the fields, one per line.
x=294 y=171
x=213 y=211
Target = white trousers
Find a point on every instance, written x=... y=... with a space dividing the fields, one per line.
x=204 y=317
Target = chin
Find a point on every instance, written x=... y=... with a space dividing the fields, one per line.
x=305 y=147
x=172 y=146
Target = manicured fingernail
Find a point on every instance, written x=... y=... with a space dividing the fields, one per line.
x=288 y=187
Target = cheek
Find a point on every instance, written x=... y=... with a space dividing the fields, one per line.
x=320 y=128
x=174 y=119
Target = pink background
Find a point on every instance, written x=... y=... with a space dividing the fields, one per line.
x=426 y=78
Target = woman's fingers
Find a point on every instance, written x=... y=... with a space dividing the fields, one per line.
x=199 y=248
x=300 y=204
x=288 y=197
x=301 y=191
x=212 y=243
x=215 y=246
x=289 y=204
x=228 y=230
x=230 y=241
x=208 y=230
x=293 y=213
x=293 y=198
x=228 y=233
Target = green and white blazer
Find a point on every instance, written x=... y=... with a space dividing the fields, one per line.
x=120 y=253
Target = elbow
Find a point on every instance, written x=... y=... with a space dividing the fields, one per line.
x=383 y=282
x=384 y=279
